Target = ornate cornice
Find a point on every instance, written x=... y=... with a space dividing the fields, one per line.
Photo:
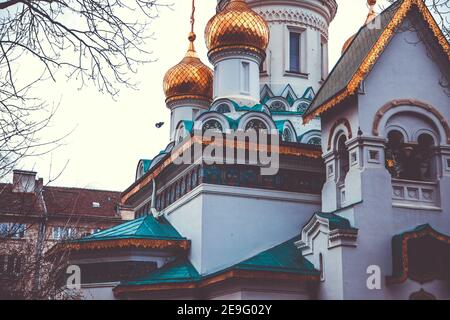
x=221 y=53
x=188 y=100
x=295 y=17
x=326 y=8
x=290 y=150
x=120 y=244
x=235 y=274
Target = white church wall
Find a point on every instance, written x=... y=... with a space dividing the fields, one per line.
x=227 y=225
x=404 y=71
x=240 y=223
x=186 y=215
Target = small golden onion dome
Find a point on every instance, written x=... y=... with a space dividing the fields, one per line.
x=190 y=79
x=237 y=26
x=347 y=43
x=372 y=15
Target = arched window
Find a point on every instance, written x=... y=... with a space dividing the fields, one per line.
x=213 y=125
x=315 y=141
x=278 y=106
x=287 y=135
x=223 y=108
x=343 y=158
x=255 y=124
x=410 y=161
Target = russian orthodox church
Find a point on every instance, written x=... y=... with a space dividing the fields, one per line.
x=358 y=208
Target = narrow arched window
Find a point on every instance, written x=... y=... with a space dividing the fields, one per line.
x=321 y=267
x=343 y=158
x=287 y=135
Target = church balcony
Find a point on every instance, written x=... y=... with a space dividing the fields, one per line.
x=415 y=194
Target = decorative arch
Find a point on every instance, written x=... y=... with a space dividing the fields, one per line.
x=220 y=103
x=287 y=125
x=339 y=123
x=212 y=115
x=311 y=134
x=439 y=119
x=257 y=115
x=281 y=104
x=180 y=132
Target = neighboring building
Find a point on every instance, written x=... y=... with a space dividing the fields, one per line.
x=358 y=208
x=34 y=217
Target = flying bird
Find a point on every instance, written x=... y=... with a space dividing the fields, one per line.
x=159 y=124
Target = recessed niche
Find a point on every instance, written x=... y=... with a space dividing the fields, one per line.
x=374 y=156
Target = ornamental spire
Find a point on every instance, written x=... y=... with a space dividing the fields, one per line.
x=372 y=14
x=192 y=35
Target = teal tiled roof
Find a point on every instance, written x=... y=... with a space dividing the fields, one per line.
x=146 y=227
x=284 y=258
x=176 y=272
x=335 y=221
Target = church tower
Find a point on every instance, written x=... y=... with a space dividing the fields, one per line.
x=237 y=39
x=188 y=89
x=297 y=53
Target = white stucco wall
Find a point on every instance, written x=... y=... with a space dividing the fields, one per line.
x=227 y=225
x=404 y=71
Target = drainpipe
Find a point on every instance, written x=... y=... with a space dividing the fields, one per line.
x=153 y=210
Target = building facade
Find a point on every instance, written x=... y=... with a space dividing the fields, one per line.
x=357 y=207
x=33 y=217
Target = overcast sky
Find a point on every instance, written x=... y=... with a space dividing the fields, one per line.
x=110 y=136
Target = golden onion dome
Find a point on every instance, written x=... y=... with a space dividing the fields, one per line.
x=237 y=26
x=347 y=43
x=189 y=79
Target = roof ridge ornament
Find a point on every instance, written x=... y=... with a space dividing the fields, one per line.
x=372 y=14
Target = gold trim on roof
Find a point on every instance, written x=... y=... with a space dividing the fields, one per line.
x=283 y=150
x=378 y=49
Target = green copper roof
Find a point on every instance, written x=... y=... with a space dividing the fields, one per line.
x=146 y=164
x=179 y=271
x=335 y=221
x=282 y=258
x=146 y=227
x=256 y=107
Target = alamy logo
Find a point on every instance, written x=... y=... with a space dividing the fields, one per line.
x=74 y=278
x=374 y=280
x=251 y=147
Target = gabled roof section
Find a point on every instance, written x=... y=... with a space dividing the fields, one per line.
x=282 y=262
x=176 y=272
x=282 y=258
x=364 y=51
x=145 y=232
x=146 y=227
